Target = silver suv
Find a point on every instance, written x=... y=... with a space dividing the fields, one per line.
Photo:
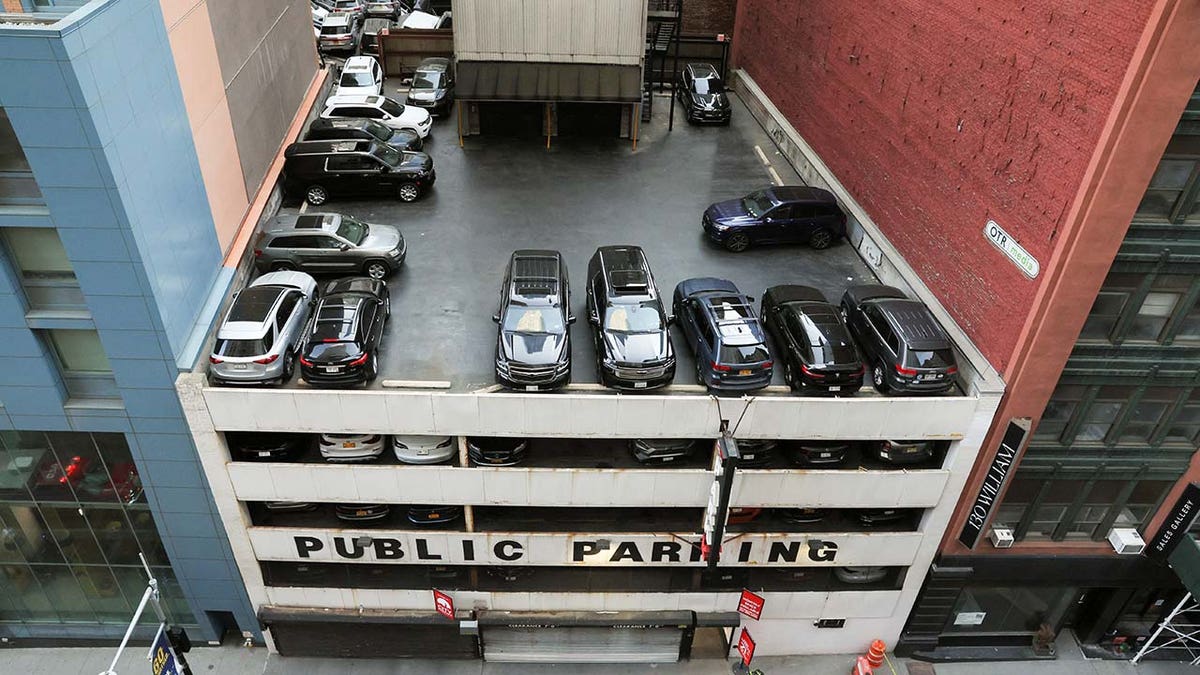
x=256 y=343
x=328 y=242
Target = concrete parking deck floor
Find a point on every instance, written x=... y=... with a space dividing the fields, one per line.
x=499 y=194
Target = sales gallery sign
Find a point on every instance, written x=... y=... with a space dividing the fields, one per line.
x=452 y=548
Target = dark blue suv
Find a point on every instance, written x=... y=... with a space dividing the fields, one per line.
x=776 y=215
x=724 y=333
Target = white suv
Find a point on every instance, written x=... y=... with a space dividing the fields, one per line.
x=361 y=76
x=381 y=109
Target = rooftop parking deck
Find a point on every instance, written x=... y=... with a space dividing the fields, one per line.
x=499 y=194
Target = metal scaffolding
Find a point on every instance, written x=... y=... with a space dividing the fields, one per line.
x=1175 y=632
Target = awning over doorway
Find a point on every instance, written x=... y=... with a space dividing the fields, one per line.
x=548 y=82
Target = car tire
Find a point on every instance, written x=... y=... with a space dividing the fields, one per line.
x=789 y=377
x=289 y=367
x=879 y=378
x=700 y=374
x=376 y=269
x=737 y=242
x=283 y=266
x=372 y=368
x=409 y=192
x=316 y=195
x=821 y=239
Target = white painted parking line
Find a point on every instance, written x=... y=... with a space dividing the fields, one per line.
x=489 y=389
x=415 y=384
x=774 y=175
x=762 y=156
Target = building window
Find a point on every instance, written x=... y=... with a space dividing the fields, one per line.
x=83 y=363
x=1080 y=505
x=1059 y=410
x=1185 y=428
x=17 y=184
x=1172 y=182
x=73 y=520
x=41 y=263
x=1009 y=610
x=1099 y=417
x=1189 y=326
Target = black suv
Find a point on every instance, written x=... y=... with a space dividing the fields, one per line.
x=533 y=348
x=496 y=451
x=812 y=341
x=630 y=327
x=356 y=129
x=903 y=345
x=703 y=94
x=776 y=215
x=320 y=169
x=342 y=347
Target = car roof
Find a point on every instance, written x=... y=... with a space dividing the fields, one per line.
x=338 y=316
x=376 y=24
x=627 y=271
x=733 y=317
x=435 y=63
x=913 y=323
x=250 y=313
x=341 y=123
x=359 y=63
x=535 y=273
x=337 y=19
x=287 y=279
x=702 y=70
x=800 y=193
x=353 y=286
x=327 y=147
x=327 y=222
x=354 y=99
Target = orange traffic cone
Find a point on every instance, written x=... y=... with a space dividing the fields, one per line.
x=875 y=653
x=862 y=667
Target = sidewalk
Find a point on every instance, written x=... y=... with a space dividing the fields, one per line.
x=241 y=661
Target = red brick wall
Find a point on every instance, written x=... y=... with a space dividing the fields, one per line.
x=13 y=6
x=708 y=17
x=939 y=115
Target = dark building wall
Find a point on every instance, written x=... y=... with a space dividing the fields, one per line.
x=266 y=71
x=708 y=17
x=939 y=116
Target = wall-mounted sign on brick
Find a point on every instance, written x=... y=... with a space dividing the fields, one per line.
x=1008 y=246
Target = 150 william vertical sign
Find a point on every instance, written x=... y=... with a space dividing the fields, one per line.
x=994 y=482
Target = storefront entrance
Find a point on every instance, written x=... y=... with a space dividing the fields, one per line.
x=585 y=637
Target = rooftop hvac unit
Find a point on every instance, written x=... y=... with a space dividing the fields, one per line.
x=1126 y=540
x=1001 y=537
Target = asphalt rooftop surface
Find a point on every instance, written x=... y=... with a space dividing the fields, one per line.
x=497 y=194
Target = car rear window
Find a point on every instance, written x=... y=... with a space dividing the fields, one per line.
x=741 y=354
x=356 y=79
x=334 y=30
x=936 y=358
x=242 y=348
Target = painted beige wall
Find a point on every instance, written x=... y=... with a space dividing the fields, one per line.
x=198 y=66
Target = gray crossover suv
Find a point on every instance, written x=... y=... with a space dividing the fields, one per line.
x=328 y=242
x=256 y=343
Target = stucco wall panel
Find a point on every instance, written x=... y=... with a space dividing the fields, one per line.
x=942 y=115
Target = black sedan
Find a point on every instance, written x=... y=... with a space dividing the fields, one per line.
x=342 y=347
x=264 y=446
x=812 y=340
x=776 y=215
x=496 y=451
x=361 y=512
x=425 y=514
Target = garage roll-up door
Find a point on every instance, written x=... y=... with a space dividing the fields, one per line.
x=368 y=635
x=576 y=637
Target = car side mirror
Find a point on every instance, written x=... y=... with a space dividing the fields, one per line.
x=594 y=319
x=570 y=319
x=344 y=247
x=496 y=317
x=670 y=319
x=406 y=81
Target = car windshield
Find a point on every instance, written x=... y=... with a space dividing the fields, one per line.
x=427 y=80
x=743 y=354
x=359 y=79
x=533 y=320
x=709 y=85
x=757 y=203
x=352 y=231
x=935 y=358
x=389 y=155
x=391 y=107
x=381 y=131
x=643 y=318
x=240 y=348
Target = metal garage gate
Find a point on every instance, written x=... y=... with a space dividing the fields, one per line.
x=585 y=637
x=328 y=633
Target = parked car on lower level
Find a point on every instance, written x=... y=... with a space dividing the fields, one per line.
x=817 y=453
x=753 y=453
x=905 y=348
x=702 y=93
x=291 y=507
x=904 y=452
x=264 y=446
x=350 y=447
x=629 y=325
x=362 y=129
x=776 y=215
x=496 y=450
x=262 y=331
x=424 y=449
x=533 y=343
x=662 y=450
x=720 y=326
x=380 y=108
x=339 y=33
x=743 y=514
x=357 y=8
x=389 y=9
x=812 y=341
x=433 y=515
x=803 y=516
x=320 y=170
x=357 y=513
x=342 y=346
x=880 y=517
x=432 y=86
x=329 y=242
x=860 y=575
